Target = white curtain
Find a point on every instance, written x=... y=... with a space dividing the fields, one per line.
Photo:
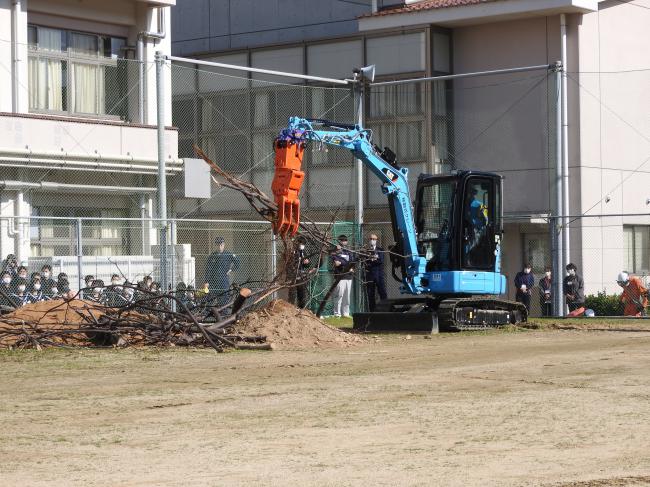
x=45 y=84
x=83 y=45
x=50 y=39
x=408 y=99
x=409 y=140
x=88 y=93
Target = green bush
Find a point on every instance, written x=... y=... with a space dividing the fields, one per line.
x=604 y=305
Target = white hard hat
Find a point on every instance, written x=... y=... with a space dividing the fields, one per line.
x=623 y=278
x=590 y=313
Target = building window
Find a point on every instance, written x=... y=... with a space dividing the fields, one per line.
x=397 y=117
x=57 y=237
x=636 y=246
x=76 y=73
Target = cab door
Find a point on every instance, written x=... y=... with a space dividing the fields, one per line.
x=481 y=222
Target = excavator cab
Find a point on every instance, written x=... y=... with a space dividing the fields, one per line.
x=459 y=221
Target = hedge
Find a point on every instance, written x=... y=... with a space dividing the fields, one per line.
x=604 y=305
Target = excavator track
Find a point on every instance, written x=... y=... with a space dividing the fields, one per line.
x=476 y=313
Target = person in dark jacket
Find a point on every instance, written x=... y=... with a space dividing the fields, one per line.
x=35 y=289
x=545 y=295
x=374 y=276
x=10 y=264
x=218 y=269
x=20 y=296
x=524 y=282
x=7 y=302
x=574 y=288
x=21 y=274
x=299 y=291
x=47 y=281
x=343 y=263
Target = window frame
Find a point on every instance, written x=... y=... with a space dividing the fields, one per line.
x=67 y=56
x=634 y=250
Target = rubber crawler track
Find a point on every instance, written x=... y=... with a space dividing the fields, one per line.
x=446 y=315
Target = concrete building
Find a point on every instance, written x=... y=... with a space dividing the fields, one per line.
x=78 y=119
x=504 y=124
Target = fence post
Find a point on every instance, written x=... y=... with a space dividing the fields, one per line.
x=80 y=276
x=558 y=228
x=274 y=259
x=172 y=263
x=162 y=169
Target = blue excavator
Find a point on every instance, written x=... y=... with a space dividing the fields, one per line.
x=447 y=250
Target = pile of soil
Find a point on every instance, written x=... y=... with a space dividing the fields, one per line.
x=54 y=314
x=290 y=328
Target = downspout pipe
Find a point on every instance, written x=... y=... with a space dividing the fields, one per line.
x=139 y=51
x=15 y=56
x=566 y=258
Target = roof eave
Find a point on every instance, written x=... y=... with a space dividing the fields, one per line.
x=478 y=13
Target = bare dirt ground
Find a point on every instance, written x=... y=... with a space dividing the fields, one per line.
x=550 y=408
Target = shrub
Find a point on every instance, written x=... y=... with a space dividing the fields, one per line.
x=604 y=305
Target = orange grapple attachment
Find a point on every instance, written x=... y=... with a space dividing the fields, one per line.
x=286 y=185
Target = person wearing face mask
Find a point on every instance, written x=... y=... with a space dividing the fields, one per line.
x=35 y=289
x=574 y=288
x=47 y=282
x=113 y=294
x=10 y=264
x=89 y=280
x=128 y=292
x=7 y=303
x=374 y=276
x=299 y=291
x=545 y=286
x=21 y=296
x=524 y=282
x=343 y=264
x=21 y=274
x=97 y=291
x=634 y=296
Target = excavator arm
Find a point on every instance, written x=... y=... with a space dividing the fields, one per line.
x=289 y=149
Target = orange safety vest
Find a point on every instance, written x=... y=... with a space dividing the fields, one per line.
x=633 y=295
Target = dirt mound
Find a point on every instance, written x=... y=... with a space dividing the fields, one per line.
x=290 y=328
x=52 y=316
x=54 y=313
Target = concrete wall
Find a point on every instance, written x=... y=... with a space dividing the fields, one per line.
x=614 y=137
x=201 y=26
x=523 y=157
x=90 y=141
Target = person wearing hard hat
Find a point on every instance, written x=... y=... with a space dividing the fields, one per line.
x=634 y=296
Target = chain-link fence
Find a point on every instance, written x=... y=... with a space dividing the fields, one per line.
x=235 y=119
x=252 y=257
x=101 y=108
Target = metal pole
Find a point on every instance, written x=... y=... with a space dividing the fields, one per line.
x=523 y=69
x=247 y=69
x=162 y=177
x=566 y=256
x=172 y=231
x=274 y=259
x=359 y=92
x=80 y=277
x=558 y=268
